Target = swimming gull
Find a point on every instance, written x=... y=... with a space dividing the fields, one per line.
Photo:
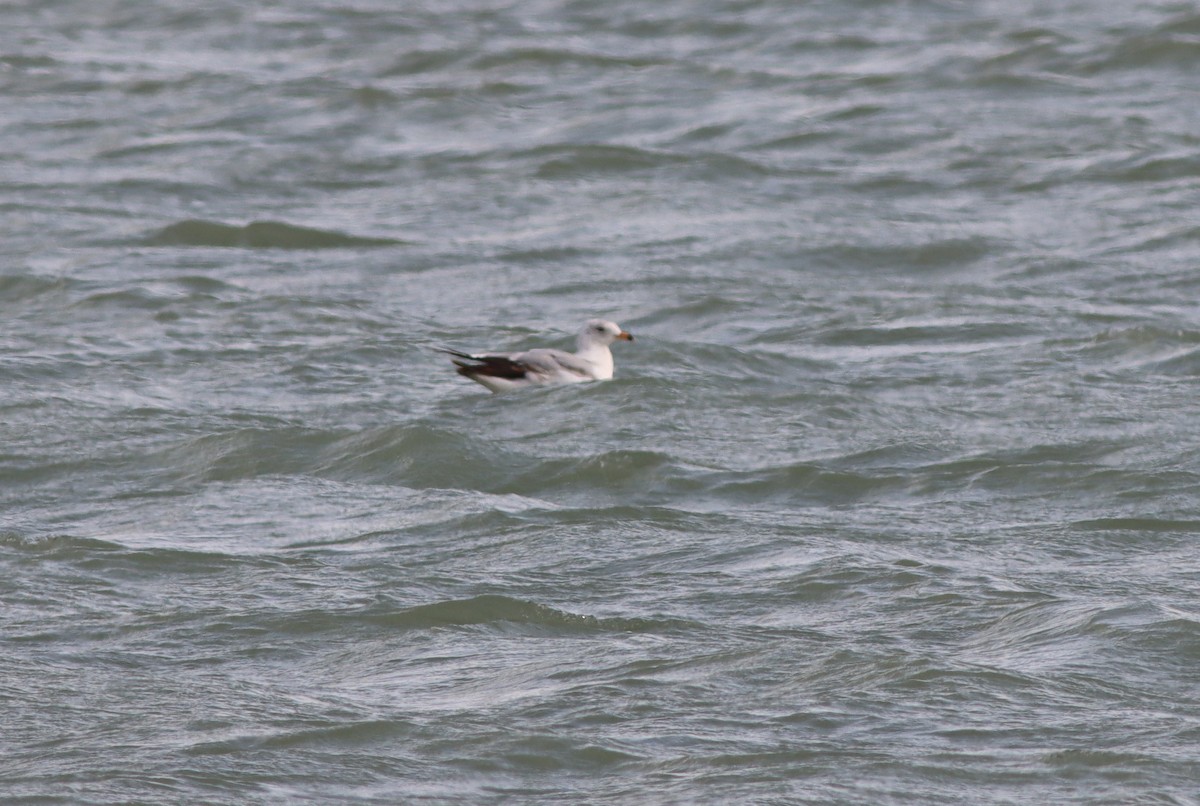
x=503 y=372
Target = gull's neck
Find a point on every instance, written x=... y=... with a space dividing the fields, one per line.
x=595 y=353
x=586 y=343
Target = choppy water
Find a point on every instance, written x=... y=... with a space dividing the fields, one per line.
x=894 y=500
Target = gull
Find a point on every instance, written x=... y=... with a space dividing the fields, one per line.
x=503 y=372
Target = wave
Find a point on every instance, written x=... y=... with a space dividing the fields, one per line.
x=260 y=235
x=933 y=254
x=566 y=161
x=1087 y=634
x=805 y=482
x=123 y=558
x=415 y=456
x=334 y=734
x=1156 y=167
x=447 y=457
x=22 y=288
x=619 y=468
x=551 y=57
x=62 y=546
x=1173 y=44
x=960 y=335
x=1144 y=524
x=1144 y=348
x=493 y=610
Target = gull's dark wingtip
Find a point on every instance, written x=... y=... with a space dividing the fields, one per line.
x=455 y=353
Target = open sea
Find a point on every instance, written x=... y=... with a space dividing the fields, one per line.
x=894 y=500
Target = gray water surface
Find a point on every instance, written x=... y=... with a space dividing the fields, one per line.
x=894 y=500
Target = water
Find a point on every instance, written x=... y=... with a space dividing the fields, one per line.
x=894 y=499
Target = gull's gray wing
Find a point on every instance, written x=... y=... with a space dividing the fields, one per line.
x=546 y=361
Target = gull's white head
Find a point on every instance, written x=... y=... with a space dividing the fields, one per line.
x=601 y=333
